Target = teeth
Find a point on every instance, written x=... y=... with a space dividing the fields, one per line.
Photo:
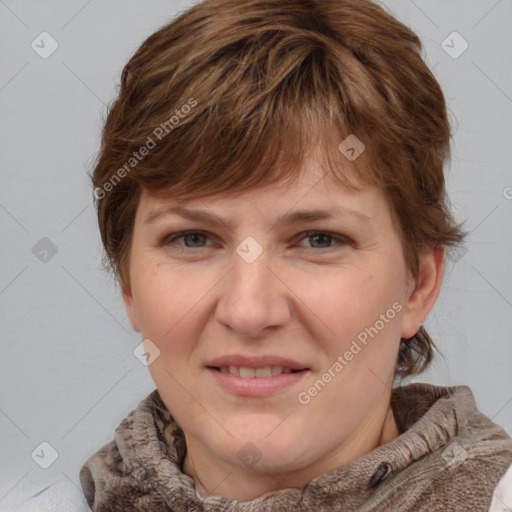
x=263 y=372
x=277 y=370
x=245 y=372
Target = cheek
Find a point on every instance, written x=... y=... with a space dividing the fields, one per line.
x=168 y=302
x=345 y=302
x=165 y=300
x=357 y=314
x=361 y=312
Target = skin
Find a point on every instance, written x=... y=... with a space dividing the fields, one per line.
x=304 y=297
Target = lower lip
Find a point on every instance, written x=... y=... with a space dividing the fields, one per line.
x=256 y=386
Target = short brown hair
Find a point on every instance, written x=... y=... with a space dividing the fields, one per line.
x=232 y=93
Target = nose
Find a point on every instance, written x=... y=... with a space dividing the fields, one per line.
x=253 y=299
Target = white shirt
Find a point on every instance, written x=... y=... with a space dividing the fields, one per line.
x=502 y=497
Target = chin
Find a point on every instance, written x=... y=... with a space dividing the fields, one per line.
x=263 y=445
x=258 y=459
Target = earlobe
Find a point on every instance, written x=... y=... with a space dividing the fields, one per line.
x=423 y=296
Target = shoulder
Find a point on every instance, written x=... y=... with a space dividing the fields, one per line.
x=468 y=466
x=61 y=496
x=502 y=498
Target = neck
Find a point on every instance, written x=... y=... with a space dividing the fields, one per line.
x=215 y=477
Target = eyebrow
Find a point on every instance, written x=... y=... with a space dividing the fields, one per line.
x=295 y=217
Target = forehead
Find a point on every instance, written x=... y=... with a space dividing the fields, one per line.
x=313 y=190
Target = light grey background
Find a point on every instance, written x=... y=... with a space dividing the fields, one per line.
x=68 y=375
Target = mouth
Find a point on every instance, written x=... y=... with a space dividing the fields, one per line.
x=262 y=375
x=246 y=372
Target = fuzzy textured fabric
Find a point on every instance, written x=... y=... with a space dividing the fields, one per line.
x=448 y=457
x=59 y=496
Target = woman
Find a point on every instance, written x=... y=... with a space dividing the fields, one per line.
x=270 y=194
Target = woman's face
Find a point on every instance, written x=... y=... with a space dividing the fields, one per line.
x=310 y=277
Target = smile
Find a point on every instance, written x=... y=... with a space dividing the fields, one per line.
x=256 y=382
x=246 y=372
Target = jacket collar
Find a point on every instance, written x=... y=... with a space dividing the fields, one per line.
x=152 y=447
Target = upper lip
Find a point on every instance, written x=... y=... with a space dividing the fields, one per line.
x=255 y=362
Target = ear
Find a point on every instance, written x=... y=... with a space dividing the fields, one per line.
x=130 y=305
x=424 y=291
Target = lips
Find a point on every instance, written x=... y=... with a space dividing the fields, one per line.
x=247 y=372
x=256 y=376
x=239 y=361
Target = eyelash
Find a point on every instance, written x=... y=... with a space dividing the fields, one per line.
x=171 y=239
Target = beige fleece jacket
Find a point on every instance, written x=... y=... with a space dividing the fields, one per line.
x=448 y=457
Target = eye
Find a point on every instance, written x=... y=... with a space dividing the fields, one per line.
x=191 y=239
x=197 y=240
x=323 y=240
